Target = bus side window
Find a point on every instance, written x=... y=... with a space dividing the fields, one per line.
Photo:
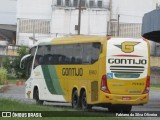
x=39 y=59
x=30 y=62
x=77 y=53
x=96 y=50
x=68 y=53
x=87 y=51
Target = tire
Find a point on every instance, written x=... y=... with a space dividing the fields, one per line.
x=36 y=97
x=84 y=104
x=75 y=99
x=114 y=109
x=120 y=108
x=126 y=108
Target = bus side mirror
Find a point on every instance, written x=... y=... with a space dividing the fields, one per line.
x=23 y=61
x=22 y=64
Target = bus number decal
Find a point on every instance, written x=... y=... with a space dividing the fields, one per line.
x=92 y=72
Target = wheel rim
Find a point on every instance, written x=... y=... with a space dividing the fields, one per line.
x=84 y=102
x=37 y=95
x=75 y=101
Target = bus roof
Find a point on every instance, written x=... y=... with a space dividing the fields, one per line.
x=73 y=39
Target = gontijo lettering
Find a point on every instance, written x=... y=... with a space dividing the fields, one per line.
x=72 y=71
x=127 y=61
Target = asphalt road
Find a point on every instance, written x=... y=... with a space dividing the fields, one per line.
x=17 y=93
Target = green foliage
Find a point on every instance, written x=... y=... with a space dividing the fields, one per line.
x=13 y=64
x=3 y=75
x=7 y=64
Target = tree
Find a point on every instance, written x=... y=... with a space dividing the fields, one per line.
x=14 y=64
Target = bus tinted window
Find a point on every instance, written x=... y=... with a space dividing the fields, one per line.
x=87 y=52
x=84 y=53
x=68 y=53
x=77 y=53
x=96 y=48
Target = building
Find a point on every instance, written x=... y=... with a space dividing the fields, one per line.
x=8 y=26
x=33 y=20
x=39 y=19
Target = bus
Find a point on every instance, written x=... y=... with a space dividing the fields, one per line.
x=89 y=71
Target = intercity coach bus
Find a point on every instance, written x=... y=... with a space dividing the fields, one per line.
x=89 y=71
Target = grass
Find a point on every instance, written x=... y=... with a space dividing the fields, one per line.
x=8 y=105
x=155 y=85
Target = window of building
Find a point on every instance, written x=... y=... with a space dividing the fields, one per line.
x=83 y=3
x=59 y=2
x=75 y=3
x=34 y=25
x=91 y=3
x=67 y=3
x=99 y=4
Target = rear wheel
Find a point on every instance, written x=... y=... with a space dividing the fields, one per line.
x=75 y=99
x=120 y=108
x=126 y=108
x=84 y=104
x=36 y=97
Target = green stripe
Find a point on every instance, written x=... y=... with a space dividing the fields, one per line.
x=56 y=82
x=48 y=79
x=52 y=80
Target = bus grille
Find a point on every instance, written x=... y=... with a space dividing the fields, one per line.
x=127 y=69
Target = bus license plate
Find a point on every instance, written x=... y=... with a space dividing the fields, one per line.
x=126 y=98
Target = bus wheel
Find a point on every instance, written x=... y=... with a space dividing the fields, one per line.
x=120 y=108
x=75 y=99
x=115 y=108
x=84 y=104
x=36 y=97
x=126 y=108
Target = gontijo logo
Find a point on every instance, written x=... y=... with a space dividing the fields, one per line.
x=127 y=47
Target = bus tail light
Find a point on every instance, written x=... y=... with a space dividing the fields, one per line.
x=145 y=39
x=108 y=38
x=146 y=90
x=104 y=86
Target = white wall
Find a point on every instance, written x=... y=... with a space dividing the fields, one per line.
x=34 y=9
x=8 y=12
x=92 y=22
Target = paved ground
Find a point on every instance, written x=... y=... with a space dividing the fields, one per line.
x=17 y=93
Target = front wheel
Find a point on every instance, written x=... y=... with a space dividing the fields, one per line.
x=36 y=97
x=84 y=104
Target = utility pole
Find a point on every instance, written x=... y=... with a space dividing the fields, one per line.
x=118 y=25
x=34 y=32
x=110 y=17
x=79 y=18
